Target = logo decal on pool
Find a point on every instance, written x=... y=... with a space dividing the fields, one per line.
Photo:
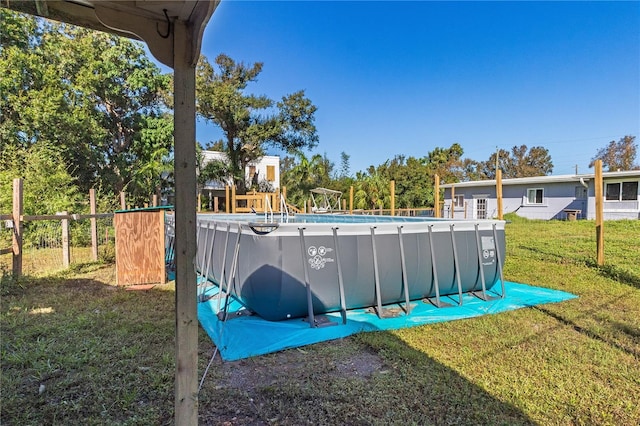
x=317 y=258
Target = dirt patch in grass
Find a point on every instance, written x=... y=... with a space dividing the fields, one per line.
x=250 y=375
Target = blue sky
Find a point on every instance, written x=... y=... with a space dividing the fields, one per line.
x=394 y=78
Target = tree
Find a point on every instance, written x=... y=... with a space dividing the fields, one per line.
x=535 y=162
x=619 y=155
x=413 y=183
x=48 y=186
x=302 y=174
x=251 y=123
x=372 y=191
x=95 y=96
x=520 y=162
x=446 y=163
x=345 y=167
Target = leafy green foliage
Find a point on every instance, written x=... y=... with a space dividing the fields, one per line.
x=301 y=174
x=619 y=155
x=250 y=123
x=94 y=96
x=520 y=162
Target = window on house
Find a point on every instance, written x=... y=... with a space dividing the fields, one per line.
x=271 y=173
x=252 y=172
x=621 y=191
x=535 y=195
x=458 y=201
x=629 y=191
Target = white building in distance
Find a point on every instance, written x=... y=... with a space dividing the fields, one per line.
x=264 y=170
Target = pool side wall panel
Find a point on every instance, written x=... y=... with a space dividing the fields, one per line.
x=270 y=274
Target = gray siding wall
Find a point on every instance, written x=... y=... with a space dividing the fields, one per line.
x=557 y=197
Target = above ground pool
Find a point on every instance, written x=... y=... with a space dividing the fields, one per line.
x=307 y=265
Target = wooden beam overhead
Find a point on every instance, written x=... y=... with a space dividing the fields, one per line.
x=149 y=21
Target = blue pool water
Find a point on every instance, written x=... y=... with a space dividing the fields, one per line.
x=316 y=218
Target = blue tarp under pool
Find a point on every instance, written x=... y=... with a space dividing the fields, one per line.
x=245 y=336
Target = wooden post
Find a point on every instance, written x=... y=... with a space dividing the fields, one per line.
x=186 y=344
x=284 y=192
x=393 y=198
x=344 y=204
x=436 y=196
x=215 y=204
x=227 y=201
x=466 y=204
x=123 y=200
x=94 y=225
x=499 y=193
x=351 y=199
x=453 y=201
x=599 y=213
x=233 y=198
x=17 y=227
x=66 y=253
x=199 y=202
x=154 y=200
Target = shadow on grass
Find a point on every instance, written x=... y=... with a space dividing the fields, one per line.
x=632 y=332
x=78 y=351
x=369 y=378
x=550 y=255
x=608 y=271
x=615 y=273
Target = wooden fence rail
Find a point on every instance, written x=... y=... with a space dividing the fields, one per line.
x=17 y=219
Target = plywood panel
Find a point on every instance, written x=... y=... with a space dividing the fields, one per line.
x=140 y=247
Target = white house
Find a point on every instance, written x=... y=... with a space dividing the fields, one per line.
x=547 y=197
x=267 y=168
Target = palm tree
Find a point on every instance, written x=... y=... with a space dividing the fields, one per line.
x=372 y=191
x=305 y=175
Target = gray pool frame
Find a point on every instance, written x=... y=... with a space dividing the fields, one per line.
x=302 y=269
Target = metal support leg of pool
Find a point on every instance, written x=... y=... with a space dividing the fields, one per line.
x=499 y=260
x=200 y=263
x=307 y=283
x=434 y=271
x=234 y=271
x=380 y=311
x=202 y=278
x=403 y=264
x=481 y=294
x=223 y=267
x=456 y=263
x=314 y=322
x=343 y=303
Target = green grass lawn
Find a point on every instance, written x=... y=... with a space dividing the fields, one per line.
x=77 y=350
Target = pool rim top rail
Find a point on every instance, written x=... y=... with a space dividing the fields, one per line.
x=346 y=223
